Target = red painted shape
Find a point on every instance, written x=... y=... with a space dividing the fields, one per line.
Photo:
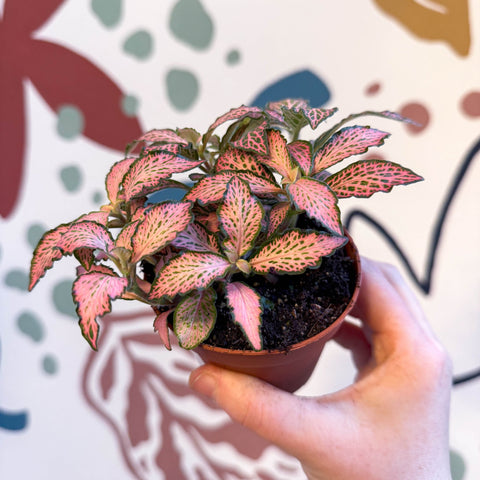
x=61 y=76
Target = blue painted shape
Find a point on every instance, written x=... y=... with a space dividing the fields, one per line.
x=304 y=84
x=13 y=421
x=175 y=194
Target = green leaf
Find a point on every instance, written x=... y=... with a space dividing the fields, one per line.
x=194 y=318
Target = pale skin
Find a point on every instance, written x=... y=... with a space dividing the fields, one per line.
x=391 y=423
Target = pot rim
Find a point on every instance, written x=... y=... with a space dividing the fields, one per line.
x=330 y=330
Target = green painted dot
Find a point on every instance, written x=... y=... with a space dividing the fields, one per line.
x=130 y=105
x=190 y=23
x=34 y=233
x=109 y=12
x=17 y=279
x=98 y=198
x=70 y=122
x=233 y=57
x=457 y=465
x=50 y=364
x=62 y=298
x=31 y=326
x=139 y=45
x=182 y=88
x=71 y=177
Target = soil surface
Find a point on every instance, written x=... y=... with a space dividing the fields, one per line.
x=295 y=307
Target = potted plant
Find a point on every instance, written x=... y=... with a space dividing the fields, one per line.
x=259 y=213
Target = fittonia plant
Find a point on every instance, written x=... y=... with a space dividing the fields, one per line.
x=244 y=193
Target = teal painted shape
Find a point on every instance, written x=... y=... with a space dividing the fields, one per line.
x=139 y=45
x=34 y=233
x=31 y=326
x=109 y=12
x=70 y=122
x=191 y=24
x=303 y=84
x=233 y=57
x=182 y=88
x=71 y=178
x=17 y=278
x=457 y=465
x=130 y=105
x=62 y=298
x=50 y=364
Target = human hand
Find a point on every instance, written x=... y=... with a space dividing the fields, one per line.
x=391 y=423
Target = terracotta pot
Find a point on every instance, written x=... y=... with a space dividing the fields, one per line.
x=288 y=371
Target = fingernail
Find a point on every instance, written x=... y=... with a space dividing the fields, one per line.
x=204 y=384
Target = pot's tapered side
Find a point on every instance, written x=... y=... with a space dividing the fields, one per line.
x=288 y=371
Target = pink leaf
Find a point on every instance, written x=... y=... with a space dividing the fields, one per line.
x=364 y=178
x=124 y=238
x=115 y=177
x=93 y=293
x=247 y=311
x=277 y=216
x=295 y=251
x=347 y=142
x=315 y=116
x=196 y=239
x=98 y=217
x=288 y=103
x=301 y=152
x=46 y=252
x=236 y=159
x=190 y=271
x=279 y=158
x=241 y=217
x=211 y=189
x=318 y=201
x=396 y=116
x=160 y=226
x=194 y=318
x=147 y=173
x=254 y=139
x=86 y=234
x=235 y=114
x=160 y=325
x=86 y=257
x=165 y=135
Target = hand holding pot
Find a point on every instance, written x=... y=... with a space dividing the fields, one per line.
x=391 y=423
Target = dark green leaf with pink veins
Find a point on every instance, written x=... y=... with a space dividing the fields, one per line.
x=364 y=178
x=295 y=251
x=93 y=292
x=187 y=272
x=194 y=318
x=318 y=201
x=347 y=142
x=147 y=173
x=240 y=217
x=246 y=308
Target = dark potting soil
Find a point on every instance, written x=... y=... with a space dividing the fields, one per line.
x=295 y=307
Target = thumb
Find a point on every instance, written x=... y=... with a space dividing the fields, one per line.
x=280 y=417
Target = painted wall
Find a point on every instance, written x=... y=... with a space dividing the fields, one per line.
x=79 y=79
